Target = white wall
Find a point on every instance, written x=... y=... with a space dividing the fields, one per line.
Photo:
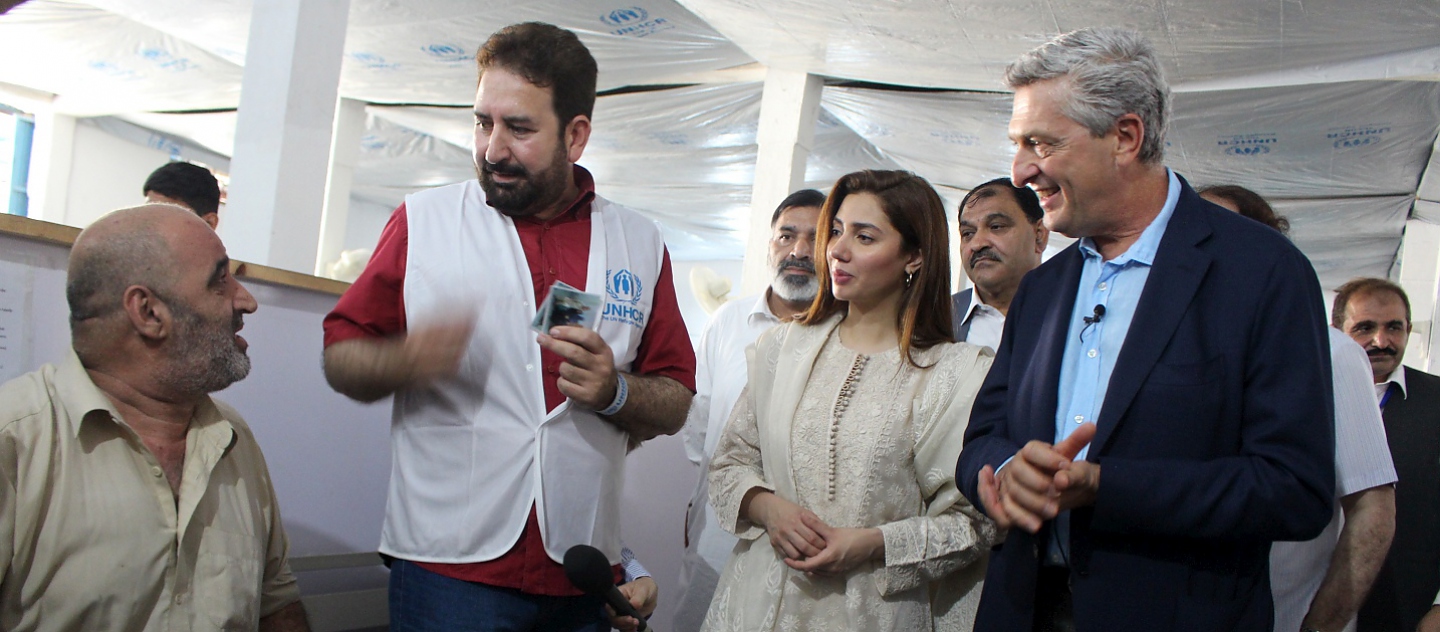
x=106 y=173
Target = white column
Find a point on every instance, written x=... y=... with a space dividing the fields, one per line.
x=344 y=153
x=51 y=153
x=1419 y=264
x=283 y=131
x=788 y=108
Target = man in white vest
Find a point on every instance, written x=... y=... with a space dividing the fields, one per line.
x=720 y=377
x=509 y=447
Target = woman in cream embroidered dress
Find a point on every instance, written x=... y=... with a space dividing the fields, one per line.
x=837 y=468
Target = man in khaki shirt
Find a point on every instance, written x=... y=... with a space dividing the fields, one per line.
x=129 y=499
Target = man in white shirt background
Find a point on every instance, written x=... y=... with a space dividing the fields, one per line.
x=720 y=375
x=1001 y=238
x=1319 y=584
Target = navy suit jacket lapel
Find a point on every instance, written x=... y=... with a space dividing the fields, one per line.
x=1042 y=383
x=1174 y=278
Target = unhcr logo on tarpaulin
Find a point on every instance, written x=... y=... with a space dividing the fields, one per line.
x=625 y=17
x=1248 y=144
x=1357 y=136
x=448 y=53
x=372 y=61
x=634 y=22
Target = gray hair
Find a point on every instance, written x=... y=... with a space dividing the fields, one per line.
x=1112 y=72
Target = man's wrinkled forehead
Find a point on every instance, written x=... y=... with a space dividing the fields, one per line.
x=797 y=219
x=995 y=202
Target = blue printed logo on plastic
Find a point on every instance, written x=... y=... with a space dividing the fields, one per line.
x=1248 y=144
x=634 y=22
x=373 y=61
x=449 y=53
x=1357 y=136
x=625 y=17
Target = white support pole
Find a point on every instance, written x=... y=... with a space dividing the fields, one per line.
x=52 y=153
x=1432 y=358
x=789 y=106
x=283 y=131
x=1430 y=296
x=344 y=153
x=1419 y=274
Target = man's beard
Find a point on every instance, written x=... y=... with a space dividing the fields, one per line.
x=795 y=288
x=529 y=194
x=207 y=358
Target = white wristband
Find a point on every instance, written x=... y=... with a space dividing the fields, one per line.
x=621 y=393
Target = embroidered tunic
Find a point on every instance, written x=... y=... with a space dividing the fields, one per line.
x=861 y=441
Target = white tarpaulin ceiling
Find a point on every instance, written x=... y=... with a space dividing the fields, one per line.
x=1330 y=108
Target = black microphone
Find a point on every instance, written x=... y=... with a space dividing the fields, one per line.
x=1099 y=313
x=588 y=570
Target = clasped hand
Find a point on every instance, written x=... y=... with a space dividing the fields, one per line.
x=807 y=544
x=1040 y=482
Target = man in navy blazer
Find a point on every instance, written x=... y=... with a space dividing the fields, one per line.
x=1159 y=410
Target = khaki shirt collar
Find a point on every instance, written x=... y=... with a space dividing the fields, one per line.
x=85 y=401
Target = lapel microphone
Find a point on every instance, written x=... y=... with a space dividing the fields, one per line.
x=1099 y=313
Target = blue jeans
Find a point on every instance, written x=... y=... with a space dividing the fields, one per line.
x=423 y=601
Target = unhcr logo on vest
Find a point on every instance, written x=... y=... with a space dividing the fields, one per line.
x=625 y=290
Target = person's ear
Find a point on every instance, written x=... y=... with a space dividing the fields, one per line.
x=1042 y=237
x=148 y=314
x=1129 y=134
x=917 y=259
x=577 y=136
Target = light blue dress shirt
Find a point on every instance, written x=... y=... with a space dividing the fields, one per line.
x=1091 y=349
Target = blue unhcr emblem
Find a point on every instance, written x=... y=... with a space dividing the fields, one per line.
x=634 y=22
x=624 y=290
x=625 y=16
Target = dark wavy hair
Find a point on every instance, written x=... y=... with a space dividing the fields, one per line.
x=1028 y=201
x=918 y=215
x=1250 y=204
x=548 y=57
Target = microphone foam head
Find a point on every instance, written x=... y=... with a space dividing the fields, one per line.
x=588 y=570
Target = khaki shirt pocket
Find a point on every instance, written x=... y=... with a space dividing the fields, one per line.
x=228 y=573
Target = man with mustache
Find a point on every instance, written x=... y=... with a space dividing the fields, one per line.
x=1002 y=236
x=131 y=498
x=509 y=448
x=1376 y=313
x=720 y=377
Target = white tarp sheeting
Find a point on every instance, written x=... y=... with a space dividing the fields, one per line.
x=967 y=43
x=1263 y=98
x=685 y=157
x=111 y=56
